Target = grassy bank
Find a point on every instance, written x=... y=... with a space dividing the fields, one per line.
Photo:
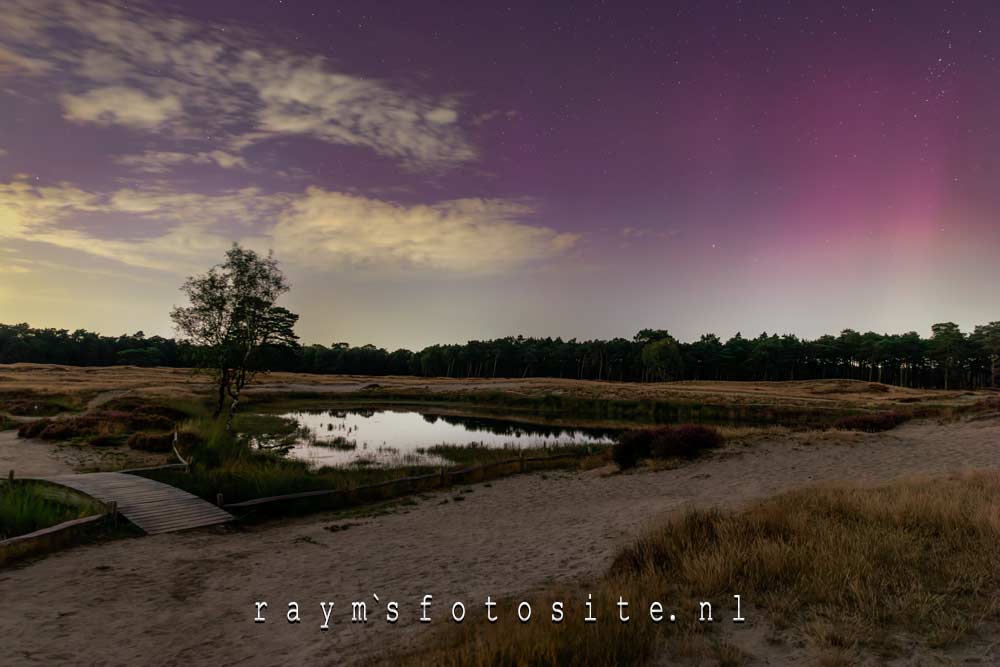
x=26 y=507
x=226 y=463
x=844 y=568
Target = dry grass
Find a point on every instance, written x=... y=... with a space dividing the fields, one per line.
x=733 y=433
x=847 y=568
x=70 y=380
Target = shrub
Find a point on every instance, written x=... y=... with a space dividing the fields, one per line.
x=32 y=429
x=104 y=427
x=105 y=440
x=62 y=429
x=686 y=441
x=871 y=423
x=29 y=407
x=148 y=421
x=631 y=447
x=138 y=406
x=151 y=442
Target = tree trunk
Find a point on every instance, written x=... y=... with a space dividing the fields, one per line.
x=232 y=413
x=223 y=385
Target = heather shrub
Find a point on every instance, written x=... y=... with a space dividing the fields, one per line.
x=872 y=423
x=148 y=421
x=31 y=407
x=105 y=440
x=32 y=429
x=138 y=406
x=151 y=442
x=95 y=426
x=63 y=429
x=686 y=441
x=632 y=446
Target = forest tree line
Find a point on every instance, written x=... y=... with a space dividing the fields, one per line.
x=949 y=358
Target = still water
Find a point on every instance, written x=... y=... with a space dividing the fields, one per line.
x=399 y=437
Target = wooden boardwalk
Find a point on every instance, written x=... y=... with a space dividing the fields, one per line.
x=152 y=506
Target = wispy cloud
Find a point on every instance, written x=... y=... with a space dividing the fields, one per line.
x=159 y=162
x=154 y=73
x=120 y=105
x=318 y=229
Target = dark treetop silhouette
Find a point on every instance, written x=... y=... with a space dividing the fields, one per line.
x=948 y=359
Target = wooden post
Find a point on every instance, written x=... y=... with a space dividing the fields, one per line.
x=218 y=500
x=113 y=512
x=10 y=477
x=443 y=478
x=520 y=455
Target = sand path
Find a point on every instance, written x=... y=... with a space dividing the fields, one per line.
x=187 y=599
x=34 y=458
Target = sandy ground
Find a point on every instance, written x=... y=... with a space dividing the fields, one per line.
x=39 y=458
x=187 y=598
x=32 y=459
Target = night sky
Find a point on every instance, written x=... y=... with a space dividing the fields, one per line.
x=435 y=172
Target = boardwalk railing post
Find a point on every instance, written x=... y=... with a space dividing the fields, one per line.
x=218 y=500
x=113 y=513
x=10 y=477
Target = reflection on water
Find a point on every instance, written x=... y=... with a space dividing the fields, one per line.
x=392 y=438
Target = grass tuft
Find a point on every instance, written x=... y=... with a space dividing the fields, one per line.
x=24 y=508
x=844 y=567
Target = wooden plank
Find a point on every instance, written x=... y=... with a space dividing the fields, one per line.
x=152 y=506
x=190 y=512
x=175 y=507
x=176 y=515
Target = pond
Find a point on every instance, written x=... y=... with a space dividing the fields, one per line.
x=403 y=437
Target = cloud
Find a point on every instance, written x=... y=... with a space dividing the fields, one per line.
x=148 y=71
x=470 y=236
x=15 y=63
x=119 y=105
x=3 y=151
x=318 y=229
x=164 y=230
x=159 y=162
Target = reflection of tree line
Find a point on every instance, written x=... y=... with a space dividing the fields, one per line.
x=488 y=425
x=517 y=429
x=342 y=414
